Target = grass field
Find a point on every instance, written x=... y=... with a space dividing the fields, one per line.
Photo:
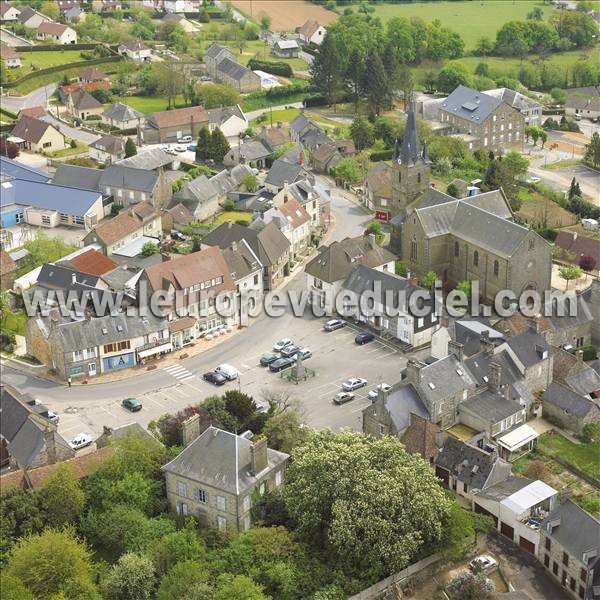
x=471 y=19
x=582 y=456
x=148 y=104
x=44 y=60
x=231 y=215
x=537 y=210
x=14 y=322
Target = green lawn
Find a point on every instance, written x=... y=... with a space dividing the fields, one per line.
x=585 y=457
x=471 y=19
x=231 y=215
x=283 y=116
x=68 y=151
x=44 y=60
x=148 y=104
x=14 y=322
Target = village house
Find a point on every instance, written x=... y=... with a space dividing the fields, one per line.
x=282 y=172
x=269 y=244
x=30 y=439
x=191 y=284
x=38 y=135
x=57 y=33
x=172 y=125
x=141 y=222
x=575 y=246
x=122 y=116
x=529 y=108
x=327 y=271
x=570 y=549
x=231 y=120
x=32 y=19
x=572 y=371
x=108 y=6
x=484 y=121
x=394 y=296
x=308 y=196
x=285 y=48
x=560 y=404
x=327 y=156
x=213 y=55
x=92 y=75
x=10 y=57
x=135 y=50
x=91 y=346
x=107 y=149
x=81 y=104
x=312 y=33
x=237 y=76
x=253 y=153
x=8 y=12
x=216 y=477
x=273 y=137
x=583 y=102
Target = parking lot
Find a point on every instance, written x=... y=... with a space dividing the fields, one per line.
x=335 y=357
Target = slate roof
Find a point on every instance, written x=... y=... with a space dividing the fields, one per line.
x=410 y=151
x=233 y=69
x=568 y=370
x=250 y=150
x=148 y=160
x=313 y=137
x=57 y=277
x=122 y=112
x=68 y=200
x=134 y=46
x=490 y=407
x=180 y=213
x=400 y=403
x=90 y=333
x=198 y=190
x=379 y=180
x=83 y=100
x=515 y=99
x=468 y=332
x=52 y=28
x=530 y=347
x=218 y=116
x=179 y=116
x=502 y=490
x=118 y=176
x=569 y=401
x=31 y=129
x=241 y=260
x=17 y=170
x=79 y=177
x=268 y=244
x=221 y=460
x=470 y=104
x=300 y=123
x=126 y=222
x=214 y=50
x=336 y=261
x=421 y=436
x=475 y=467
x=282 y=171
x=110 y=144
x=286 y=44
x=577 y=531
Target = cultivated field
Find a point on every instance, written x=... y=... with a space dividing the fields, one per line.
x=285 y=16
x=538 y=211
x=471 y=19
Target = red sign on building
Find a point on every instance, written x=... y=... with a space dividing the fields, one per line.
x=382 y=215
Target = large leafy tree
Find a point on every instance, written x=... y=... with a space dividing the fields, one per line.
x=362 y=133
x=238 y=587
x=203 y=144
x=285 y=430
x=377 y=83
x=592 y=151
x=371 y=506
x=219 y=146
x=187 y=580
x=62 y=498
x=326 y=69
x=132 y=578
x=175 y=547
x=50 y=562
x=130 y=148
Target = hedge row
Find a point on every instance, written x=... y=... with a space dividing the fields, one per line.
x=310 y=50
x=56 y=47
x=8 y=113
x=382 y=155
x=60 y=68
x=273 y=67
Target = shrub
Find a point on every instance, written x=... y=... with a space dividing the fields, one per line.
x=548 y=233
x=93 y=118
x=381 y=155
x=273 y=67
x=587 y=263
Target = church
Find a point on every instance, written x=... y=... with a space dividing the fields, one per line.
x=470 y=239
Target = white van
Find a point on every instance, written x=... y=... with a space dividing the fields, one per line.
x=227 y=371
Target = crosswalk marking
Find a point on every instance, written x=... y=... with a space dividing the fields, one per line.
x=180 y=373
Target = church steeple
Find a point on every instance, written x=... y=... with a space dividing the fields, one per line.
x=411 y=152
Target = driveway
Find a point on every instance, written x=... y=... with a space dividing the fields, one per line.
x=523 y=570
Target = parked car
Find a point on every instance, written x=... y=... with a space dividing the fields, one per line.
x=280 y=364
x=353 y=384
x=81 y=440
x=267 y=358
x=334 y=324
x=205 y=78
x=375 y=391
x=52 y=417
x=262 y=408
x=364 y=337
x=343 y=397
x=186 y=139
x=215 y=378
x=281 y=344
x=176 y=235
x=180 y=148
x=289 y=351
x=484 y=563
x=303 y=353
x=533 y=179
x=227 y=371
x=132 y=404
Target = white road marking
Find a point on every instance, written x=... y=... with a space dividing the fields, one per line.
x=180 y=373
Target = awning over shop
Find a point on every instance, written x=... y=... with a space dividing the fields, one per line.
x=156 y=350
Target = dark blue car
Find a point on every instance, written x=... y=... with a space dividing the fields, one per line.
x=364 y=337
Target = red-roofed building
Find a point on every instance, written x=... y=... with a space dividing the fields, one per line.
x=578 y=245
x=93 y=262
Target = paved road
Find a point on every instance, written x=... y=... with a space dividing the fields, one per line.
x=335 y=357
x=10 y=39
x=38 y=97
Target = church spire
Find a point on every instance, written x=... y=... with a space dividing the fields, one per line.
x=410 y=152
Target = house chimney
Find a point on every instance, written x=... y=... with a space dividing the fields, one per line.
x=494 y=376
x=190 y=429
x=286 y=192
x=372 y=241
x=234 y=246
x=73 y=278
x=457 y=349
x=485 y=344
x=258 y=456
x=165 y=256
x=506 y=391
x=381 y=395
x=579 y=355
x=413 y=371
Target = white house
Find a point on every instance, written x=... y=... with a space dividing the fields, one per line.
x=8 y=12
x=11 y=58
x=57 y=33
x=135 y=50
x=312 y=33
x=231 y=120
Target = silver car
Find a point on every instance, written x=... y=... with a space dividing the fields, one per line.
x=353 y=384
